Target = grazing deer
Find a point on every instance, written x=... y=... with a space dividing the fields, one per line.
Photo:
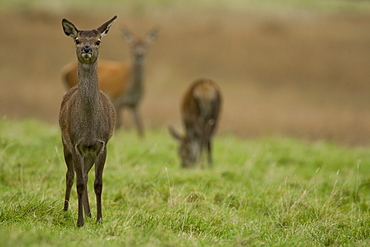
x=86 y=120
x=121 y=81
x=200 y=110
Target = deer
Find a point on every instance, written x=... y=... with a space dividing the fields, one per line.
x=122 y=81
x=200 y=110
x=86 y=119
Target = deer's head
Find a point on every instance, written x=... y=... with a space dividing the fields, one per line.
x=87 y=42
x=189 y=148
x=138 y=45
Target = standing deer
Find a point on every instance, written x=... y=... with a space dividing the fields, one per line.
x=86 y=120
x=200 y=110
x=121 y=81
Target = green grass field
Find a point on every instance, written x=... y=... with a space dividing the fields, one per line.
x=266 y=191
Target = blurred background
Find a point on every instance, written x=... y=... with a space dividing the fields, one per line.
x=289 y=68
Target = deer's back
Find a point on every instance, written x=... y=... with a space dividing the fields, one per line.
x=113 y=77
x=201 y=104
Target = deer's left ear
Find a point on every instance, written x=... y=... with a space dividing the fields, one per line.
x=103 y=29
x=127 y=34
x=69 y=29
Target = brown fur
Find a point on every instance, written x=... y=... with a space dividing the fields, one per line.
x=86 y=120
x=121 y=81
x=200 y=110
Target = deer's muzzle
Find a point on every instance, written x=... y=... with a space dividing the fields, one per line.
x=86 y=49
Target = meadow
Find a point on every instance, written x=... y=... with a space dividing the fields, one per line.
x=265 y=191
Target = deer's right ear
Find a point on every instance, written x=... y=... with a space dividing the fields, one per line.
x=69 y=29
x=174 y=133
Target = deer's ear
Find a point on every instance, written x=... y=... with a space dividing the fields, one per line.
x=127 y=34
x=103 y=29
x=69 y=29
x=151 y=35
x=174 y=133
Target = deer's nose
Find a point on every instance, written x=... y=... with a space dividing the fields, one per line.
x=86 y=49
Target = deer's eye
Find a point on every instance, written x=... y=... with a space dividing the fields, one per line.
x=98 y=42
x=77 y=41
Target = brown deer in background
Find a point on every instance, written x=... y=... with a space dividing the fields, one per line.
x=121 y=81
x=86 y=119
x=200 y=111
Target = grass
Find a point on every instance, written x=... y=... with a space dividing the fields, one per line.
x=266 y=191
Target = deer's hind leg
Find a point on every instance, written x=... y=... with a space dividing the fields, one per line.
x=118 y=110
x=209 y=151
x=138 y=122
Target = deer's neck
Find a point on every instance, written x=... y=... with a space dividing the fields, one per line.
x=137 y=75
x=88 y=87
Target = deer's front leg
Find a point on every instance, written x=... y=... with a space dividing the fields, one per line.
x=88 y=163
x=98 y=184
x=69 y=176
x=80 y=185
